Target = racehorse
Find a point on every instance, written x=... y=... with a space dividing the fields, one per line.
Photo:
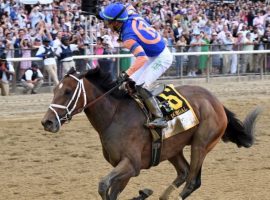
x=126 y=142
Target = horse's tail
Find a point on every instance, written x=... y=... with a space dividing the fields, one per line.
x=241 y=133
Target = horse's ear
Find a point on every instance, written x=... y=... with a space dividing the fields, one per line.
x=72 y=70
x=93 y=71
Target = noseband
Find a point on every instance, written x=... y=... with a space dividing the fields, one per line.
x=76 y=95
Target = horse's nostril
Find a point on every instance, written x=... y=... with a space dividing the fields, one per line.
x=47 y=123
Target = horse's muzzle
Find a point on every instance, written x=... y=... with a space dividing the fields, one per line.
x=50 y=126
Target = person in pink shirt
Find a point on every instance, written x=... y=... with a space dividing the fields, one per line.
x=98 y=50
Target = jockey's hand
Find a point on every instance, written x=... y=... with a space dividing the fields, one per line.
x=128 y=86
x=122 y=78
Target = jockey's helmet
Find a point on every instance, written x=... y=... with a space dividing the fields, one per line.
x=114 y=12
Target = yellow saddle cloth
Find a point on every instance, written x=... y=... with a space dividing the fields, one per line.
x=177 y=111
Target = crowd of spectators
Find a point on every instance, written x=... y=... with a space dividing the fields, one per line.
x=191 y=26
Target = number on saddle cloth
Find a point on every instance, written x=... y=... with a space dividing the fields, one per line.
x=172 y=103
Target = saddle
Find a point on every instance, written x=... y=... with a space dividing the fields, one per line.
x=177 y=112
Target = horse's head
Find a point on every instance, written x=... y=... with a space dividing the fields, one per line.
x=69 y=99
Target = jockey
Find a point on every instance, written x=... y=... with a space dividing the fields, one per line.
x=153 y=58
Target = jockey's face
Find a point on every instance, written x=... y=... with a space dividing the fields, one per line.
x=114 y=25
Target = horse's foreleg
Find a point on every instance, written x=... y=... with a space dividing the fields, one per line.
x=182 y=167
x=112 y=184
x=117 y=187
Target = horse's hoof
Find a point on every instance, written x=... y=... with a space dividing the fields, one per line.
x=146 y=193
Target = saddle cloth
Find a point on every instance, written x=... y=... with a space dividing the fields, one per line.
x=177 y=111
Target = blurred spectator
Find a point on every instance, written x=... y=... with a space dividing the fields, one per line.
x=216 y=59
x=98 y=50
x=26 y=46
x=240 y=44
x=83 y=43
x=78 y=25
x=35 y=16
x=203 y=59
x=32 y=79
x=177 y=31
x=248 y=45
x=227 y=45
x=6 y=71
x=106 y=64
x=57 y=41
x=37 y=43
x=168 y=36
x=47 y=53
x=65 y=55
x=180 y=47
x=195 y=46
x=19 y=34
x=258 y=59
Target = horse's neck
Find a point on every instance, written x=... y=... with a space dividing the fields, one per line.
x=101 y=113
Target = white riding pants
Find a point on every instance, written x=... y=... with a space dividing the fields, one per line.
x=153 y=68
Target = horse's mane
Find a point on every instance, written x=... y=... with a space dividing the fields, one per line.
x=103 y=80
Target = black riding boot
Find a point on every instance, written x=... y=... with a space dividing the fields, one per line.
x=153 y=107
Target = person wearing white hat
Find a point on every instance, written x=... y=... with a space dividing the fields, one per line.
x=195 y=46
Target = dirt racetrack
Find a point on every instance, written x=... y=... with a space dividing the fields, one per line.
x=36 y=165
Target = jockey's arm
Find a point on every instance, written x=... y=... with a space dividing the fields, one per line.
x=137 y=50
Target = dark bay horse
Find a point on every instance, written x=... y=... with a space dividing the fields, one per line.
x=127 y=143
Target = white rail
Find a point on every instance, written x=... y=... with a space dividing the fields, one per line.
x=131 y=55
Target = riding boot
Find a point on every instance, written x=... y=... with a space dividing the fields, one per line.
x=153 y=106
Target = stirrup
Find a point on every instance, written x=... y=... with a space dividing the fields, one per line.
x=157 y=123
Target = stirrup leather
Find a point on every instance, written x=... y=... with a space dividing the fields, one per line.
x=157 y=123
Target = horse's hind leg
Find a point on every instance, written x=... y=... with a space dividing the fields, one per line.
x=182 y=167
x=193 y=181
x=112 y=184
x=203 y=141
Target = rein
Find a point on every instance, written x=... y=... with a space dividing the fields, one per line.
x=96 y=100
x=80 y=89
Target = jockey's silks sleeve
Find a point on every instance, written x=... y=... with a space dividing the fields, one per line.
x=137 y=50
x=142 y=40
x=137 y=29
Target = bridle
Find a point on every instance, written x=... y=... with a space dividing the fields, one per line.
x=80 y=89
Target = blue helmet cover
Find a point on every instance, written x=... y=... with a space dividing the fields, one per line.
x=112 y=10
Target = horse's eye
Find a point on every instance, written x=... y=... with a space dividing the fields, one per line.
x=68 y=92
